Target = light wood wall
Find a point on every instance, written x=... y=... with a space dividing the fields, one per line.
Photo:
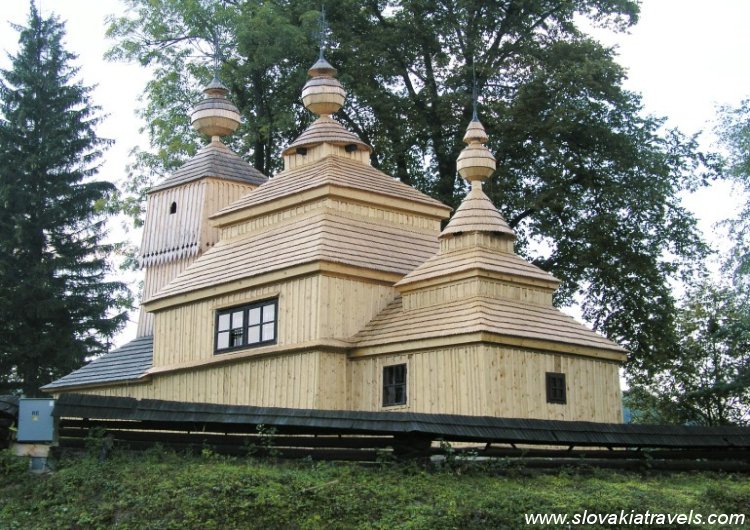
x=187 y=231
x=477 y=239
x=186 y=333
x=168 y=236
x=317 y=152
x=346 y=305
x=156 y=277
x=471 y=287
x=304 y=380
x=472 y=380
x=219 y=194
x=309 y=308
x=336 y=206
x=171 y=242
x=491 y=380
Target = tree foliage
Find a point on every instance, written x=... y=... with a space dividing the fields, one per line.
x=734 y=133
x=590 y=184
x=56 y=305
x=708 y=381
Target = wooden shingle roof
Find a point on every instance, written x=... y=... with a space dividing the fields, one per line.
x=327 y=130
x=213 y=160
x=472 y=258
x=479 y=314
x=219 y=418
x=477 y=214
x=331 y=170
x=322 y=237
x=127 y=363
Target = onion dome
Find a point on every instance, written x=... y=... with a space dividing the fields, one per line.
x=475 y=163
x=323 y=94
x=215 y=115
x=476 y=212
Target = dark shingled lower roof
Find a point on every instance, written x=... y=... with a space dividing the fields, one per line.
x=127 y=363
x=447 y=426
x=213 y=160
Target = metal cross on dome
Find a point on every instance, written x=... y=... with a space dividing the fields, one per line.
x=474 y=95
x=323 y=31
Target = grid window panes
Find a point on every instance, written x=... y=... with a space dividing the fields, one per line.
x=556 y=388
x=246 y=326
x=394 y=385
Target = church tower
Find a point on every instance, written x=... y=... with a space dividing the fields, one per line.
x=177 y=230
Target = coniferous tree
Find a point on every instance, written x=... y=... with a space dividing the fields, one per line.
x=56 y=305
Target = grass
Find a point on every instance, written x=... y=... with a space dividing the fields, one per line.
x=162 y=490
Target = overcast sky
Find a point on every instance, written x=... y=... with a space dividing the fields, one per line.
x=685 y=57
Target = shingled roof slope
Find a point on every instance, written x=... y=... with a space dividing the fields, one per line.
x=213 y=160
x=127 y=363
x=479 y=314
x=322 y=237
x=470 y=258
x=477 y=214
x=331 y=170
x=325 y=129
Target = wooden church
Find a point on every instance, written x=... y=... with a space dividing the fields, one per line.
x=332 y=286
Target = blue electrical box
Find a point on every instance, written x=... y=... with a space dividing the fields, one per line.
x=35 y=421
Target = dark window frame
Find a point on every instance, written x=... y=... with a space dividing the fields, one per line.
x=557 y=393
x=173 y=208
x=392 y=387
x=245 y=310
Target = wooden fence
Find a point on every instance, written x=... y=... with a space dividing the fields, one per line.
x=374 y=436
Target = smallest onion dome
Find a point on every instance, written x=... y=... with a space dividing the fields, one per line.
x=475 y=163
x=323 y=94
x=215 y=115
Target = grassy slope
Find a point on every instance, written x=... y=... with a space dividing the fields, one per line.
x=158 y=490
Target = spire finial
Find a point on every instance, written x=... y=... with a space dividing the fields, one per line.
x=323 y=31
x=474 y=96
x=475 y=163
x=323 y=94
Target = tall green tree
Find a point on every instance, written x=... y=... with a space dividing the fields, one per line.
x=708 y=381
x=56 y=305
x=734 y=133
x=590 y=184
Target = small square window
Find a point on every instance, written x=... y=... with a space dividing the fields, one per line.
x=394 y=385
x=245 y=326
x=556 y=389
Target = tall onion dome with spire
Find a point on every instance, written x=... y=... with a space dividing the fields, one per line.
x=475 y=164
x=323 y=95
x=215 y=115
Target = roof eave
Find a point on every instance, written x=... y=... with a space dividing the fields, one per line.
x=383 y=346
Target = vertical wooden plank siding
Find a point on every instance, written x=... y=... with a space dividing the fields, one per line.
x=280 y=381
x=346 y=305
x=156 y=277
x=491 y=380
x=463 y=289
x=272 y=219
x=317 y=152
x=333 y=206
x=218 y=194
x=171 y=242
x=165 y=235
x=186 y=333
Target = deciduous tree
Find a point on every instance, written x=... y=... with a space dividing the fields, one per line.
x=590 y=184
x=707 y=382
